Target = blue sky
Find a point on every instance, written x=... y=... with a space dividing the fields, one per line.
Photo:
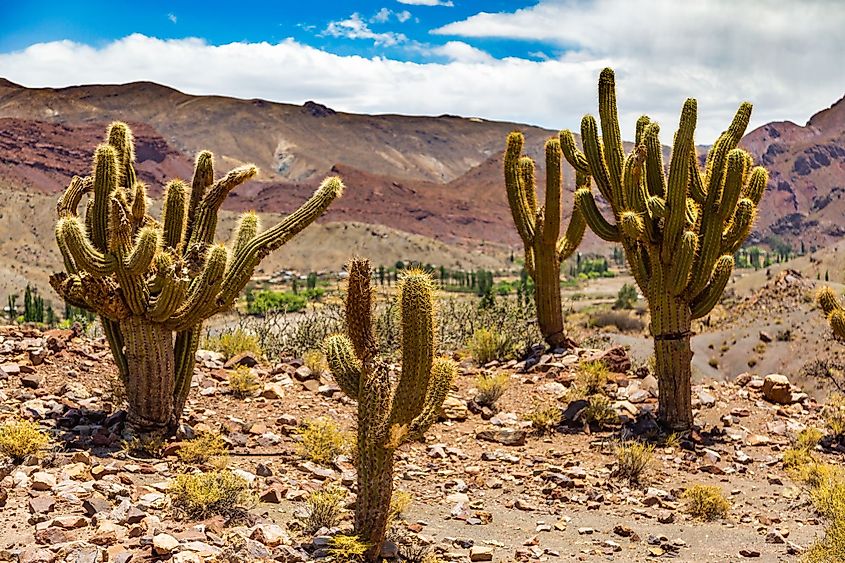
x=531 y=61
x=96 y=23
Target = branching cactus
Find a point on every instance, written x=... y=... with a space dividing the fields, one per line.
x=832 y=309
x=679 y=231
x=391 y=410
x=540 y=230
x=154 y=283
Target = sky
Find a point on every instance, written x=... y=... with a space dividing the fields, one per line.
x=527 y=61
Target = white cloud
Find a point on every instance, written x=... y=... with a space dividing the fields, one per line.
x=381 y=16
x=781 y=56
x=172 y=18
x=403 y=16
x=354 y=27
x=447 y=3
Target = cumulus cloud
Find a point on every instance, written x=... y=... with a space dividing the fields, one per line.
x=354 y=27
x=779 y=55
x=462 y=52
x=447 y=3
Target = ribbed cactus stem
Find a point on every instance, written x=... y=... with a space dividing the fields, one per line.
x=540 y=228
x=388 y=414
x=679 y=232
x=152 y=287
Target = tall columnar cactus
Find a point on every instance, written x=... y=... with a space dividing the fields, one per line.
x=540 y=229
x=832 y=309
x=391 y=411
x=154 y=283
x=679 y=232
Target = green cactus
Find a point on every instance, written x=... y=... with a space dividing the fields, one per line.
x=389 y=413
x=679 y=232
x=832 y=309
x=153 y=284
x=540 y=229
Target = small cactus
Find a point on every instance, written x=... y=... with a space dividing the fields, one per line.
x=154 y=283
x=540 y=230
x=679 y=233
x=390 y=413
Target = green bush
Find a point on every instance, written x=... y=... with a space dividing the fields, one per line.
x=487 y=345
x=627 y=297
x=22 y=438
x=233 y=342
x=204 y=494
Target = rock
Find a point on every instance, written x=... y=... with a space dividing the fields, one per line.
x=274 y=494
x=454 y=409
x=480 y=553
x=750 y=553
x=304 y=373
x=164 y=544
x=32 y=380
x=270 y=535
x=775 y=537
x=247 y=359
x=273 y=390
x=505 y=436
x=575 y=408
x=616 y=360
x=43 y=481
x=706 y=399
x=765 y=337
x=776 y=388
x=36 y=555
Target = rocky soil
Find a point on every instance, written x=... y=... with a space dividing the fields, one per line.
x=485 y=486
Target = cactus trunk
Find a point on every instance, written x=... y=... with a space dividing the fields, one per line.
x=375 y=489
x=154 y=283
x=670 y=325
x=547 y=297
x=148 y=348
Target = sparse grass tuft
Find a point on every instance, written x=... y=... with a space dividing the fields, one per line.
x=632 y=460
x=487 y=344
x=204 y=494
x=544 y=417
x=207 y=446
x=827 y=492
x=801 y=451
x=233 y=342
x=834 y=414
x=243 y=383
x=315 y=360
x=21 y=439
x=600 y=412
x=147 y=446
x=321 y=440
x=706 y=502
x=399 y=503
x=323 y=509
x=591 y=378
x=346 y=549
x=490 y=388
x=830 y=548
x=808 y=438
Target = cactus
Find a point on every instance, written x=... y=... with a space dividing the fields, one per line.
x=154 y=283
x=679 y=232
x=390 y=413
x=832 y=309
x=540 y=229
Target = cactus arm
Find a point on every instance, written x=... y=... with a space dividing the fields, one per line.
x=828 y=301
x=344 y=365
x=642 y=124
x=595 y=157
x=141 y=257
x=114 y=337
x=756 y=185
x=105 y=182
x=174 y=214
x=529 y=184
x=679 y=270
x=120 y=137
x=84 y=254
x=611 y=134
x=733 y=183
x=205 y=216
x=587 y=206
x=517 y=191
x=167 y=302
x=569 y=242
x=185 y=357
x=248 y=226
x=203 y=178
x=551 y=209
x=635 y=192
x=632 y=225
x=244 y=262
x=707 y=299
x=443 y=373
x=639 y=262
x=139 y=204
x=202 y=291
x=656 y=207
x=69 y=201
x=739 y=227
x=359 y=309
x=696 y=183
x=416 y=300
x=676 y=199
x=574 y=156
x=655 y=177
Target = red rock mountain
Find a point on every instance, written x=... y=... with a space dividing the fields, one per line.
x=435 y=176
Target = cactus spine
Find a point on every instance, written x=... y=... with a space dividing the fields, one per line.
x=153 y=284
x=679 y=232
x=389 y=413
x=540 y=230
x=832 y=309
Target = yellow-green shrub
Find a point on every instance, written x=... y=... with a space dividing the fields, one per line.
x=205 y=447
x=490 y=388
x=243 y=383
x=544 y=417
x=487 y=345
x=21 y=438
x=591 y=378
x=633 y=459
x=321 y=440
x=233 y=342
x=323 y=509
x=706 y=502
x=203 y=494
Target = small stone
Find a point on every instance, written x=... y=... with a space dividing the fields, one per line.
x=303 y=373
x=454 y=409
x=273 y=390
x=246 y=358
x=750 y=553
x=43 y=481
x=164 y=544
x=505 y=436
x=777 y=389
x=480 y=553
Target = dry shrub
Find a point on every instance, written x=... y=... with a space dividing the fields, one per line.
x=205 y=494
x=706 y=502
x=207 y=446
x=487 y=345
x=321 y=440
x=243 y=383
x=20 y=439
x=490 y=388
x=544 y=417
x=323 y=509
x=632 y=460
x=233 y=342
